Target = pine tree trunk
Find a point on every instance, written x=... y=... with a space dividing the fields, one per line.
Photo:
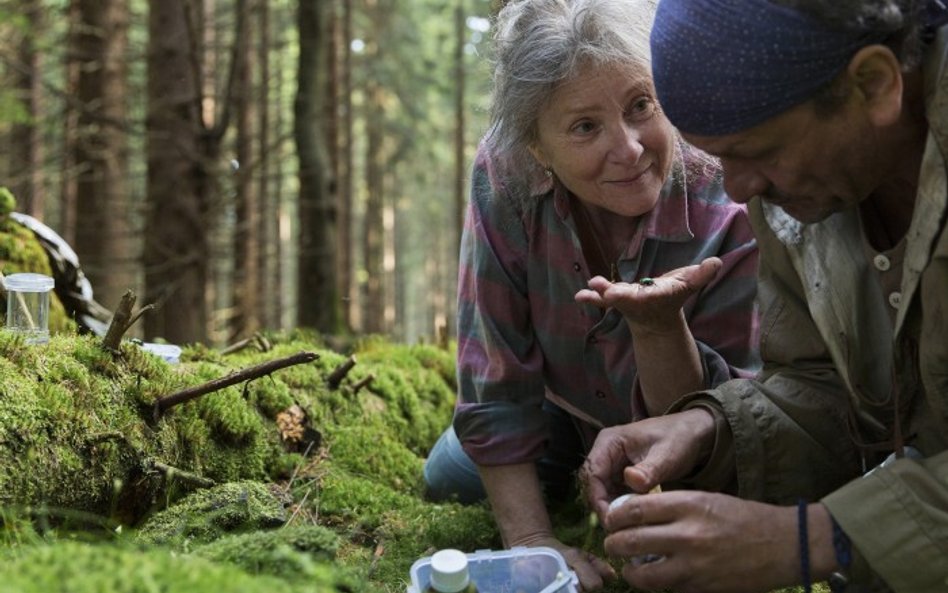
x=247 y=233
x=319 y=304
x=176 y=249
x=27 y=154
x=103 y=237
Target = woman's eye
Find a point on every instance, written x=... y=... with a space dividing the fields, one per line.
x=583 y=127
x=641 y=108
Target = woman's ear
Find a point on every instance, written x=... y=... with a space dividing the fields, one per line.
x=538 y=155
x=876 y=75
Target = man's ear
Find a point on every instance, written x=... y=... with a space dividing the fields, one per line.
x=876 y=75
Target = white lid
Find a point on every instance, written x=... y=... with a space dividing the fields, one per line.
x=449 y=572
x=169 y=352
x=28 y=282
x=619 y=501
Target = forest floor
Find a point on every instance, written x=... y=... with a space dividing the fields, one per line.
x=308 y=478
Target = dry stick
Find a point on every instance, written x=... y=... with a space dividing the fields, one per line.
x=340 y=372
x=257 y=340
x=173 y=472
x=122 y=320
x=367 y=380
x=254 y=372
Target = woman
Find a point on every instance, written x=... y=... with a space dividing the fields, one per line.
x=582 y=193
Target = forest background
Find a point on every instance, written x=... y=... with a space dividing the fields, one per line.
x=251 y=164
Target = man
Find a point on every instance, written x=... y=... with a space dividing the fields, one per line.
x=830 y=118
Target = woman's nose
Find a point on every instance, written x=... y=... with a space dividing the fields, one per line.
x=627 y=143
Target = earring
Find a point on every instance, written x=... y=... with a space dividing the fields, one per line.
x=549 y=173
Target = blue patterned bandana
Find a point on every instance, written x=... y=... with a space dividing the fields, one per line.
x=723 y=66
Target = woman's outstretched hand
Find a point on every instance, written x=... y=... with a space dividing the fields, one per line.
x=652 y=305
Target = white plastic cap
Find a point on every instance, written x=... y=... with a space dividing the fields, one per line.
x=619 y=501
x=449 y=573
x=28 y=282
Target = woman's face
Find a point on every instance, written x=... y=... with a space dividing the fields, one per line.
x=605 y=138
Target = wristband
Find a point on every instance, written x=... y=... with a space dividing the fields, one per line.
x=839 y=579
x=804 y=546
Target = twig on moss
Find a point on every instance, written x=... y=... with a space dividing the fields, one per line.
x=339 y=373
x=163 y=404
x=258 y=340
x=363 y=382
x=122 y=320
x=173 y=472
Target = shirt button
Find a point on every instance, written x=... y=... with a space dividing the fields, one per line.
x=601 y=394
x=881 y=263
x=576 y=266
x=895 y=299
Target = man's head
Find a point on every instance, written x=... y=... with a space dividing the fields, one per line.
x=803 y=100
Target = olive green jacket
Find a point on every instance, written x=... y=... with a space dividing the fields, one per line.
x=832 y=364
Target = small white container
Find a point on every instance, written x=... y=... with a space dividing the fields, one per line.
x=28 y=305
x=530 y=570
x=168 y=352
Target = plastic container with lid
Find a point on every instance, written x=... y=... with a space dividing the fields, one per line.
x=170 y=353
x=449 y=573
x=28 y=305
x=518 y=570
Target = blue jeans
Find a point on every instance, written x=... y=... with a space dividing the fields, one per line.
x=451 y=475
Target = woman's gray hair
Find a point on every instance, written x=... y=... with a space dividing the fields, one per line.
x=540 y=44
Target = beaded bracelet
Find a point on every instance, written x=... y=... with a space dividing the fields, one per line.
x=804 y=546
x=839 y=580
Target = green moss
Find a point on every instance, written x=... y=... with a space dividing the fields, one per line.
x=7 y=202
x=73 y=567
x=298 y=553
x=206 y=515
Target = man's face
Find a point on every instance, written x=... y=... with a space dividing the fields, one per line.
x=808 y=164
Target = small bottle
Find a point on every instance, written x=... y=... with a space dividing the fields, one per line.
x=449 y=573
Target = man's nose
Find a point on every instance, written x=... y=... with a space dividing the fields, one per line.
x=743 y=182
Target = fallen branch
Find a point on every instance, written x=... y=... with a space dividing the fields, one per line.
x=258 y=340
x=339 y=373
x=165 y=403
x=364 y=381
x=173 y=472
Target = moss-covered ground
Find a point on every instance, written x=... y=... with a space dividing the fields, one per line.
x=90 y=506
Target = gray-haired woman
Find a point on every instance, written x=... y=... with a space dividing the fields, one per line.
x=603 y=272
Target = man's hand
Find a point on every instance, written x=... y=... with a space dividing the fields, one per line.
x=642 y=455
x=713 y=542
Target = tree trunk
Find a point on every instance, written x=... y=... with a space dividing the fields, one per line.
x=332 y=115
x=346 y=175
x=319 y=304
x=269 y=266
x=247 y=232
x=460 y=174
x=26 y=158
x=373 y=319
x=103 y=237
x=68 y=187
x=176 y=249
